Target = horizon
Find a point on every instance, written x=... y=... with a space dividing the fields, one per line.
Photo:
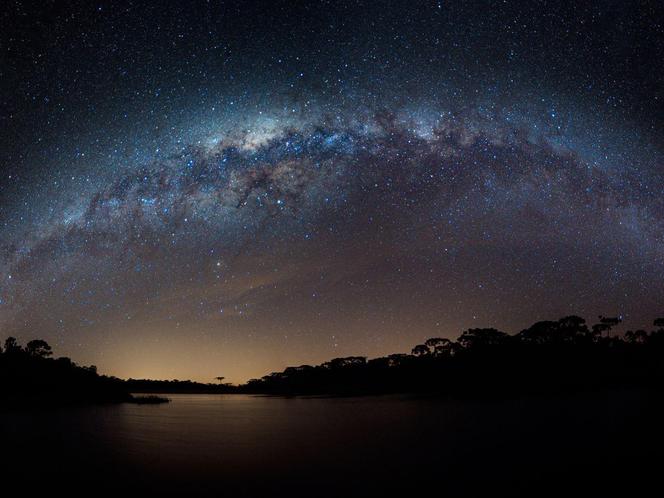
x=618 y=330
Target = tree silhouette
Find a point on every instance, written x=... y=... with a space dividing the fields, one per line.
x=605 y=325
x=568 y=330
x=539 y=333
x=439 y=346
x=482 y=338
x=30 y=374
x=12 y=346
x=421 y=350
x=573 y=329
x=348 y=361
x=636 y=337
x=397 y=359
x=219 y=379
x=38 y=348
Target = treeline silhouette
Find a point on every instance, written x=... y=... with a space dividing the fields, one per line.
x=29 y=375
x=549 y=356
x=178 y=386
x=560 y=355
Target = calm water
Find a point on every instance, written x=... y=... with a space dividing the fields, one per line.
x=242 y=445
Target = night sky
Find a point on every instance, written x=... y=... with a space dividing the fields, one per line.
x=227 y=188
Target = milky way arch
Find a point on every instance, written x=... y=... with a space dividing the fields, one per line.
x=453 y=221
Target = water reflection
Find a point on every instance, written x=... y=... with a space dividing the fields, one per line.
x=244 y=445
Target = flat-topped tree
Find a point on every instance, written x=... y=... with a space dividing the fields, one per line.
x=482 y=338
x=38 y=348
x=440 y=346
x=421 y=350
x=571 y=329
x=605 y=325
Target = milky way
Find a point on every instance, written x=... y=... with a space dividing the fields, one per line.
x=293 y=228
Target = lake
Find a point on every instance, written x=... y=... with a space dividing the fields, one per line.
x=240 y=445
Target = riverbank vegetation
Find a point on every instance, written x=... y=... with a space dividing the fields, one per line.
x=30 y=376
x=550 y=356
